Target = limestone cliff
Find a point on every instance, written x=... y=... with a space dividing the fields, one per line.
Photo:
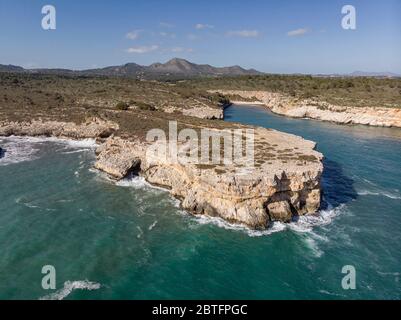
x=202 y=112
x=283 y=183
x=319 y=110
x=91 y=128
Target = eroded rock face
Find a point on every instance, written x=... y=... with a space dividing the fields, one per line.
x=274 y=189
x=92 y=128
x=280 y=210
x=319 y=110
x=202 y=112
x=118 y=157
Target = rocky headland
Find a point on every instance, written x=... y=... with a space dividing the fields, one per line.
x=283 y=180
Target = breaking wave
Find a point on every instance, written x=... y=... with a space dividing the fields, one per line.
x=21 y=149
x=152 y=225
x=137 y=182
x=204 y=220
x=69 y=287
x=304 y=224
x=376 y=190
x=17 y=150
x=133 y=182
x=379 y=193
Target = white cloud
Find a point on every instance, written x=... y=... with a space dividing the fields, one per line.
x=201 y=26
x=133 y=35
x=169 y=35
x=142 y=49
x=181 y=49
x=166 y=25
x=192 y=36
x=244 y=33
x=297 y=32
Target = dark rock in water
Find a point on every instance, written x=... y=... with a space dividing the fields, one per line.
x=2 y=152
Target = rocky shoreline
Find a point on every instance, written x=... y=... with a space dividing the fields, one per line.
x=319 y=110
x=284 y=181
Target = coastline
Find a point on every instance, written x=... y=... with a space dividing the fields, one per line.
x=247 y=103
x=322 y=217
x=318 y=110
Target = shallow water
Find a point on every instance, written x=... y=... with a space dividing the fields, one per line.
x=131 y=241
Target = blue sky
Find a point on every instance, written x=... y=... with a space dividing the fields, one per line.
x=253 y=34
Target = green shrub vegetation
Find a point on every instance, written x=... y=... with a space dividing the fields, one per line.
x=122 y=106
x=343 y=91
x=142 y=105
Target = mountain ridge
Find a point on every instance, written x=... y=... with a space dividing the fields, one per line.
x=175 y=67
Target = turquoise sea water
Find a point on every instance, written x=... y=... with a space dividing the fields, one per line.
x=131 y=241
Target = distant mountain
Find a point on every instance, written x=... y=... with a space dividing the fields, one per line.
x=181 y=66
x=128 y=70
x=175 y=68
x=374 y=74
x=360 y=74
x=10 y=68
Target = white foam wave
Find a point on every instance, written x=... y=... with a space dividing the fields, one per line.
x=84 y=143
x=27 y=204
x=21 y=149
x=396 y=274
x=137 y=182
x=17 y=150
x=69 y=287
x=140 y=232
x=303 y=224
x=204 y=220
x=132 y=182
x=153 y=225
x=379 y=193
x=81 y=144
x=175 y=202
x=30 y=205
x=369 y=182
x=65 y=200
x=314 y=247
x=308 y=222
x=331 y=293
x=76 y=151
